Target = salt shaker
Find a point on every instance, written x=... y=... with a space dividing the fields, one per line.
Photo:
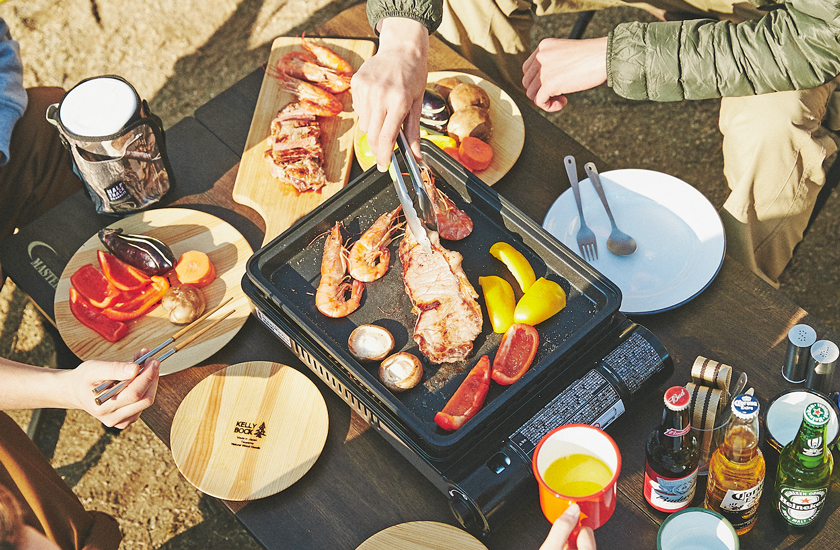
x=800 y=340
x=824 y=356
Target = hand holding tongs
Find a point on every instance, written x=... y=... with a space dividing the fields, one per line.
x=416 y=226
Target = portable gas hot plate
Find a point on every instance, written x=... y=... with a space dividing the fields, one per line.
x=591 y=362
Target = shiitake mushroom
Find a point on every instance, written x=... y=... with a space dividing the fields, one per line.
x=466 y=94
x=401 y=371
x=444 y=86
x=470 y=121
x=370 y=343
x=183 y=303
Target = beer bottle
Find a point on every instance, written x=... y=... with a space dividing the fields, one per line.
x=671 y=456
x=804 y=471
x=736 y=469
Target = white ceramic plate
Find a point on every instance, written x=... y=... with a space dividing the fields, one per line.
x=679 y=235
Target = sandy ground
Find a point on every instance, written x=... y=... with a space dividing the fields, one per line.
x=179 y=55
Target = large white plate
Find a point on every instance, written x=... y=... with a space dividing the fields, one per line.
x=679 y=235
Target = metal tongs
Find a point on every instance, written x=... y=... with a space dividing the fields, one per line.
x=417 y=226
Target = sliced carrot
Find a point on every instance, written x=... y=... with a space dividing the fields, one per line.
x=475 y=154
x=452 y=152
x=195 y=268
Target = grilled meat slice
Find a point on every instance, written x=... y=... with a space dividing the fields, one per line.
x=449 y=318
x=294 y=148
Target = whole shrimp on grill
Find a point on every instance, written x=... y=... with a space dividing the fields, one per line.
x=370 y=256
x=337 y=296
x=327 y=57
x=315 y=99
x=453 y=223
x=304 y=66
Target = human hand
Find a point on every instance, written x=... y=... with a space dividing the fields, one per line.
x=562 y=66
x=388 y=88
x=563 y=527
x=124 y=408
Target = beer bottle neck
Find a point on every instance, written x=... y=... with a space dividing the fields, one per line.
x=810 y=444
x=741 y=439
x=675 y=423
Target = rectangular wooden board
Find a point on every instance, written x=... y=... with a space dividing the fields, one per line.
x=279 y=203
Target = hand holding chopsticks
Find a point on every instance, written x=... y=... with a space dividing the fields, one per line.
x=111 y=388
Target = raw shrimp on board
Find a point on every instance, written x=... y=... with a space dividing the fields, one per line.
x=370 y=256
x=336 y=295
x=303 y=66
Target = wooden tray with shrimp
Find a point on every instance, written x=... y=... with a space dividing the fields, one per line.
x=279 y=203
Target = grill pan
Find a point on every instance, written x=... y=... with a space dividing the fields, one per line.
x=287 y=271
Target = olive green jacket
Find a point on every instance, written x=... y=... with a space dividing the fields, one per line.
x=793 y=47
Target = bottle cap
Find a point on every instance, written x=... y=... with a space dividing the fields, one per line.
x=745 y=406
x=677 y=398
x=817 y=415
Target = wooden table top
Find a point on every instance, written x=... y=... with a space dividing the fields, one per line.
x=361 y=485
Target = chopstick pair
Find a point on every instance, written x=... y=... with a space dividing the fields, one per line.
x=111 y=388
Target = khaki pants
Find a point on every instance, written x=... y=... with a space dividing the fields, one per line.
x=773 y=145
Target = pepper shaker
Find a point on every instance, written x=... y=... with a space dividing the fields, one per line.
x=798 y=355
x=824 y=356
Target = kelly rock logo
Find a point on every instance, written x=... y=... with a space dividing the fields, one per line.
x=38 y=264
x=250 y=428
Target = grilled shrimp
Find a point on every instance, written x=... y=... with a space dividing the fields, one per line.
x=316 y=99
x=370 y=257
x=332 y=298
x=453 y=223
x=304 y=66
x=327 y=57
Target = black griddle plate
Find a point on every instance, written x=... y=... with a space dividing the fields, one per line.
x=287 y=270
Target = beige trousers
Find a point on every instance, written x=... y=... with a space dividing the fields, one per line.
x=773 y=145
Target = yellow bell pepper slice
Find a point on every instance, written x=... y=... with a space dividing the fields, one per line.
x=500 y=302
x=542 y=300
x=441 y=141
x=516 y=263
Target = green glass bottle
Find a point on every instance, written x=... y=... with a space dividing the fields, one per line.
x=804 y=472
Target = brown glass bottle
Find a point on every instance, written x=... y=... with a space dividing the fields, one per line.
x=671 y=456
x=736 y=469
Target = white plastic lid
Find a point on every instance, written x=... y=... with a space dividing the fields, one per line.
x=98 y=107
x=802 y=336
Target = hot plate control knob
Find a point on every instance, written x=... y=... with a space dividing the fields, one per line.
x=465 y=511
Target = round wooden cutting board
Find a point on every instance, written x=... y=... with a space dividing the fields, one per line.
x=507 y=139
x=422 y=535
x=182 y=229
x=249 y=430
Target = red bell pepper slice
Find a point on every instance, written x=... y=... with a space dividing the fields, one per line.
x=94 y=319
x=90 y=283
x=120 y=274
x=138 y=304
x=468 y=398
x=515 y=354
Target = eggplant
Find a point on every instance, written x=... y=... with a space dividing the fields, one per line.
x=149 y=255
x=435 y=113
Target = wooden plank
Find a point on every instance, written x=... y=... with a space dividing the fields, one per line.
x=279 y=203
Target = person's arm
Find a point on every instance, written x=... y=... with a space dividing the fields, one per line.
x=29 y=387
x=795 y=47
x=12 y=94
x=561 y=66
x=388 y=87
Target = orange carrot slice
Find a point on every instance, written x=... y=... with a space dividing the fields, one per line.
x=475 y=154
x=195 y=268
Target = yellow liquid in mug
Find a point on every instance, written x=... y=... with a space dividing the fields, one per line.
x=577 y=475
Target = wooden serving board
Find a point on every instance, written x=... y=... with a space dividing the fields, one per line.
x=508 y=135
x=280 y=204
x=422 y=535
x=249 y=430
x=182 y=229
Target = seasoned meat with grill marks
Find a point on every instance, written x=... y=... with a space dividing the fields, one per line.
x=294 y=148
x=449 y=317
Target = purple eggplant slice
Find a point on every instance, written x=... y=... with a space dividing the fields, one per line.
x=149 y=255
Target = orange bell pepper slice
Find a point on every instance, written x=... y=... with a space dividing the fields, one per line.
x=138 y=304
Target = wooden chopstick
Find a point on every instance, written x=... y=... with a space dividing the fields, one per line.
x=115 y=390
x=109 y=383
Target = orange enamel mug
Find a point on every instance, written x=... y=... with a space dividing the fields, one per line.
x=595 y=509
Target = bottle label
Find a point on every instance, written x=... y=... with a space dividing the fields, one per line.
x=740 y=506
x=676 y=432
x=669 y=494
x=801 y=506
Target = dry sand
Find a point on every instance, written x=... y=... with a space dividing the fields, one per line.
x=179 y=54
